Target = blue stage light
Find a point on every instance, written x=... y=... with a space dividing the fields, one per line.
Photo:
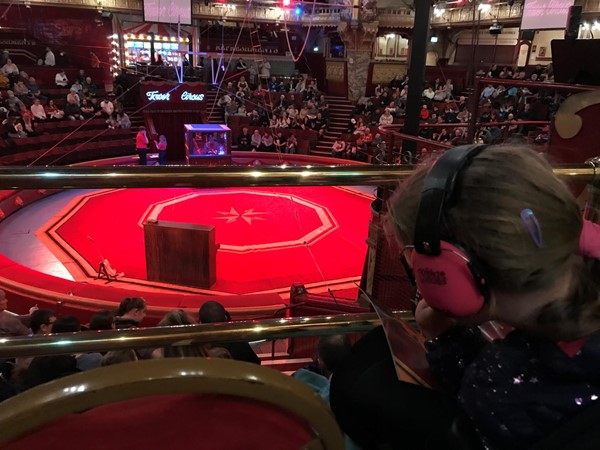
x=297 y=10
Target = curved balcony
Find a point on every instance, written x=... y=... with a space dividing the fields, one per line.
x=464 y=16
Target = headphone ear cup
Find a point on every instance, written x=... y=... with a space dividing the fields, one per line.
x=447 y=281
x=589 y=240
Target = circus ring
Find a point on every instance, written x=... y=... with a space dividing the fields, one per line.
x=270 y=238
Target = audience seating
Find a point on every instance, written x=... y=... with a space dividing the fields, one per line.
x=226 y=404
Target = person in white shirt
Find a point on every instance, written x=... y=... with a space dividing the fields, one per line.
x=72 y=97
x=61 y=79
x=49 y=59
x=11 y=71
x=10 y=68
x=107 y=107
x=386 y=118
x=37 y=109
x=265 y=69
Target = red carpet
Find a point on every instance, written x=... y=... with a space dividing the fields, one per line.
x=269 y=237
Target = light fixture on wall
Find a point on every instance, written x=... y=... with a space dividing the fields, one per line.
x=433 y=39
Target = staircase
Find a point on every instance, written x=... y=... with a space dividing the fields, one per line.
x=340 y=112
x=215 y=115
x=137 y=119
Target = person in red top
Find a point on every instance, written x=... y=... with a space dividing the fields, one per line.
x=141 y=145
x=424 y=114
x=161 y=146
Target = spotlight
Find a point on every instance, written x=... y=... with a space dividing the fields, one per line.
x=316 y=48
x=297 y=10
x=433 y=39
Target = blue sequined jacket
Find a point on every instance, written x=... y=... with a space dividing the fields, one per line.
x=518 y=389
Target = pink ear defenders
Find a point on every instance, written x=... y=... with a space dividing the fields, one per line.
x=589 y=240
x=447 y=276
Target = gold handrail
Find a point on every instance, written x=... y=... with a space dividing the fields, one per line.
x=249 y=331
x=231 y=176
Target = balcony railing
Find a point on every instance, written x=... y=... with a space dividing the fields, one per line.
x=461 y=16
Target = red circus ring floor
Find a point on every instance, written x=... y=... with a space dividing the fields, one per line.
x=269 y=237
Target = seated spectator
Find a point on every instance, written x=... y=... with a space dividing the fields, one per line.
x=47 y=368
x=38 y=111
x=77 y=87
x=428 y=93
x=338 y=149
x=458 y=137
x=283 y=121
x=106 y=107
x=49 y=59
x=73 y=111
x=243 y=84
x=360 y=126
x=21 y=91
x=424 y=113
x=112 y=121
x=124 y=121
x=52 y=111
x=319 y=124
x=4 y=82
x=73 y=97
x=87 y=109
x=378 y=91
x=279 y=142
x=443 y=136
x=214 y=312
x=61 y=79
x=386 y=118
x=11 y=71
x=15 y=130
x=130 y=313
x=179 y=317
x=89 y=89
x=540 y=281
x=351 y=128
x=291 y=144
x=267 y=144
x=256 y=140
x=13 y=324
x=27 y=119
x=243 y=140
x=103 y=320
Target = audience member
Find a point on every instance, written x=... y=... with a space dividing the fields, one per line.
x=141 y=145
x=103 y=320
x=214 y=312
x=515 y=390
x=47 y=368
x=49 y=59
x=130 y=313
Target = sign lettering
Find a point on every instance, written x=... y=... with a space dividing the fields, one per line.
x=155 y=96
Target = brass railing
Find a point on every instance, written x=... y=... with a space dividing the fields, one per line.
x=233 y=176
x=87 y=341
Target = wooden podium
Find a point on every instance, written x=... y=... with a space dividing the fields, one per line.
x=180 y=253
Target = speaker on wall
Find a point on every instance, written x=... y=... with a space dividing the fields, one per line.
x=106 y=14
x=527 y=35
x=573 y=22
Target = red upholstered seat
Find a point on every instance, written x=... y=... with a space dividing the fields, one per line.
x=184 y=421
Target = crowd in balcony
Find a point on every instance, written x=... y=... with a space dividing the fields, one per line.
x=284 y=103
x=20 y=374
x=25 y=103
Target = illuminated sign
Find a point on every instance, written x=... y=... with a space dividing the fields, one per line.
x=157 y=96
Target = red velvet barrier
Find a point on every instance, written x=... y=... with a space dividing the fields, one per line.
x=184 y=421
x=26 y=287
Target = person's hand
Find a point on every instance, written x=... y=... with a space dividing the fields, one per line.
x=431 y=322
x=32 y=309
